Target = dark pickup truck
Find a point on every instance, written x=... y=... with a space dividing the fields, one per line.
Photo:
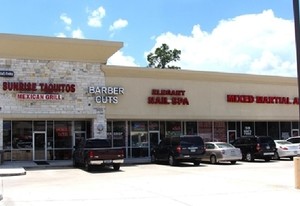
x=97 y=152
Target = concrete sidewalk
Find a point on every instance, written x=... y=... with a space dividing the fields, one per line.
x=12 y=168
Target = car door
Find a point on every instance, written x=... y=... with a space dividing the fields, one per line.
x=162 y=150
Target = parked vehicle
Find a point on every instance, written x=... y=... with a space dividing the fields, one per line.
x=256 y=147
x=286 y=149
x=91 y=152
x=188 y=148
x=295 y=139
x=221 y=151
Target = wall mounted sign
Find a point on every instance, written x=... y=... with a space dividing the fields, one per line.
x=168 y=96
x=4 y=73
x=232 y=98
x=47 y=91
x=106 y=95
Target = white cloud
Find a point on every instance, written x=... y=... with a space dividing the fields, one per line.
x=119 y=24
x=62 y=35
x=120 y=59
x=77 y=34
x=96 y=16
x=253 y=43
x=67 y=20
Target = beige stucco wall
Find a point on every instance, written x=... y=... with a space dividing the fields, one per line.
x=206 y=92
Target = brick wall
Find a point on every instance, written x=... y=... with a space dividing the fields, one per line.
x=73 y=105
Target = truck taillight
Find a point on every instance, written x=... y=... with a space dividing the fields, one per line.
x=257 y=147
x=91 y=154
x=178 y=149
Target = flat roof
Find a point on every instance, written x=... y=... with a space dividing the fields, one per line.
x=56 y=48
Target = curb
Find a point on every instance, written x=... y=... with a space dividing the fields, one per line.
x=4 y=172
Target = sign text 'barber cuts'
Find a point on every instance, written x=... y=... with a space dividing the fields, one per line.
x=106 y=95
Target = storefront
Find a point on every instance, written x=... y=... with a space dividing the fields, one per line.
x=55 y=91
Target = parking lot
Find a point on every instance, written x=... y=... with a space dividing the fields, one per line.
x=245 y=183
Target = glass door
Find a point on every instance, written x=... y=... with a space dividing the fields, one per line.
x=39 y=146
x=231 y=135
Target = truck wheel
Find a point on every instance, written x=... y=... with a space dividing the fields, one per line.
x=116 y=166
x=249 y=157
x=87 y=167
x=172 y=161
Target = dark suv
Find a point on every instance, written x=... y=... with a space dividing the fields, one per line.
x=256 y=147
x=188 y=148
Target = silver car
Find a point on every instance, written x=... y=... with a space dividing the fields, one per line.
x=286 y=149
x=220 y=152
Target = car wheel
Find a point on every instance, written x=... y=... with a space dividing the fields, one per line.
x=249 y=157
x=213 y=159
x=172 y=161
x=233 y=162
x=116 y=167
x=276 y=156
x=267 y=159
x=196 y=163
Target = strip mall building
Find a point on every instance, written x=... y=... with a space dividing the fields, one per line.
x=55 y=91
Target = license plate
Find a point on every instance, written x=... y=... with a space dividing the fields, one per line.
x=193 y=150
x=269 y=153
x=107 y=161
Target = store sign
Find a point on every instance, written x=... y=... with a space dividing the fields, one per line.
x=106 y=95
x=168 y=96
x=4 y=73
x=249 y=99
x=47 y=91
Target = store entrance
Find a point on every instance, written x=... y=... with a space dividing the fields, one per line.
x=39 y=146
x=154 y=139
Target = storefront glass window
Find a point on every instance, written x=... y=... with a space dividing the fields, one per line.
x=153 y=126
x=119 y=133
x=231 y=125
x=273 y=129
x=63 y=140
x=247 y=129
x=285 y=130
x=261 y=128
x=22 y=134
x=7 y=143
x=173 y=129
x=80 y=125
x=205 y=131
x=295 y=129
x=39 y=126
x=220 y=132
x=191 y=128
x=50 y=137
x=139 y=139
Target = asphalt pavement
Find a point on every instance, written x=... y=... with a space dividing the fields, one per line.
x=255 y=183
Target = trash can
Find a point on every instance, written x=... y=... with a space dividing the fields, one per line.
x=297 y=172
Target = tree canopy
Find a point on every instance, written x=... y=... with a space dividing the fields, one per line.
x=163 y=56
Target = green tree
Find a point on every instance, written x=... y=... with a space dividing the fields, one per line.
x=163 y=56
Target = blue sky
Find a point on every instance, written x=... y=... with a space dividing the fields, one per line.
x=240 y=36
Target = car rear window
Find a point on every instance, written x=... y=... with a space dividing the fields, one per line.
x=224 y=145
x=191 y=141
x=266 y=140
x=99 y=143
